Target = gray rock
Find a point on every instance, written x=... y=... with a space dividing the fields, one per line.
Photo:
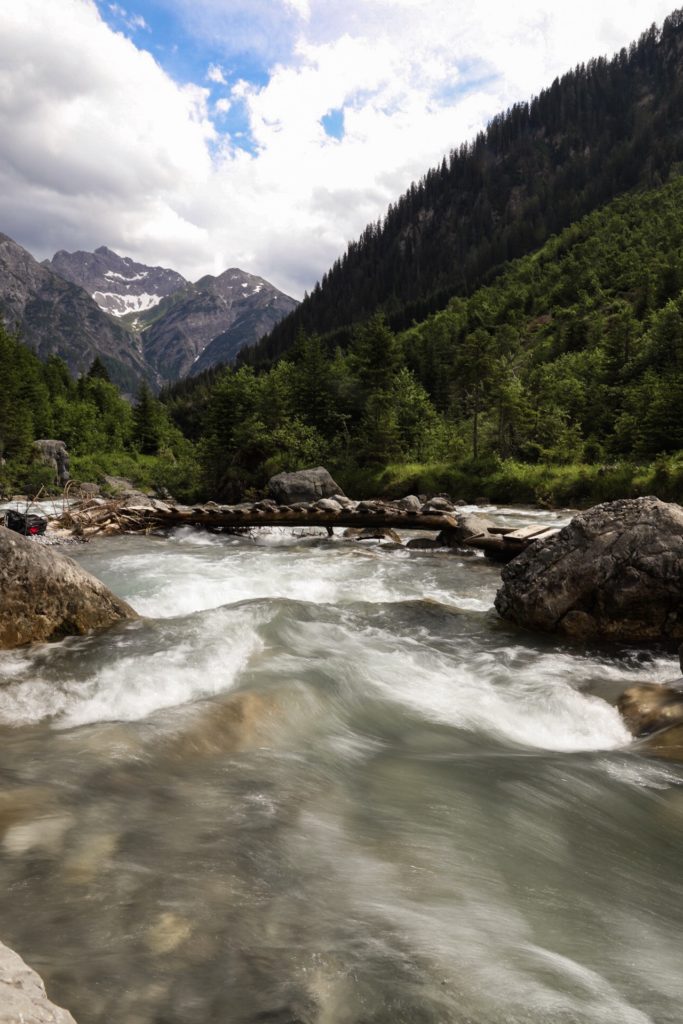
x=616 y=572
x=373 y=507
x=423 y=543
x=307 y=485
x=469 y=525
x=411 y=503
x=345 y=502
x=328 y=505
x=54 y=454
x=438 y=504
x=22 y=994
x=46 y=596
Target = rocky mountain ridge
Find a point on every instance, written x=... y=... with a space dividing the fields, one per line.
x=54 y=316
x=118 y=284
x=145 y=323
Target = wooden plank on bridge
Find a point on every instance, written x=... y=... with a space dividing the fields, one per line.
x=527 y=533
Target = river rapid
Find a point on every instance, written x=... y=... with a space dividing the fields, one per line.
x=321 y=782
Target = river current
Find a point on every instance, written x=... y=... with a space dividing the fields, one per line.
x=323 y=783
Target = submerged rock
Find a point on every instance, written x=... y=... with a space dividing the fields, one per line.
x=22 y=994
x=306 y=485
x=654 y=714
x=615 y=572
x=46 y=596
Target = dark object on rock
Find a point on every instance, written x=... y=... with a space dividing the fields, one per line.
x=423 y=543
x=46 y=596
x=615 y=572
x=54 y=455
x=654 y=713
x=306 y=485
x=27 y=523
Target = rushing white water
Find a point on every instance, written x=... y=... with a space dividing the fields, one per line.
x=323 y=782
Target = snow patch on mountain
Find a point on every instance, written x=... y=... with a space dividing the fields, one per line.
x=120 y=305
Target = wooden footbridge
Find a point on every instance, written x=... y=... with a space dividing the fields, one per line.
x=101 y=516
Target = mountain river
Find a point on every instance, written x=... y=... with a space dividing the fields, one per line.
x=323 y=783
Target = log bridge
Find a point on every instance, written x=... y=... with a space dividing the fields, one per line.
x=100 y=516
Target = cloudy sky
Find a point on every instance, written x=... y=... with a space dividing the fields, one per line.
x=264 y=134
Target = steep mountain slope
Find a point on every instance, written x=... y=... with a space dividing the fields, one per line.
x=183 y=328
x=118 y=284
x=576 y=351
x=595 y=133
x=210 y=321
x=54 y=316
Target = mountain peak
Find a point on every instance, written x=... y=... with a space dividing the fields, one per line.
x=117 y=283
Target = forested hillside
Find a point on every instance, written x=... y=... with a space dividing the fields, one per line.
x=102 y=431
x=572 y=357
x=600 y=130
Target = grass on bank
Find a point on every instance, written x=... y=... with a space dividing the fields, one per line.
x=500 y=482
x=509 y=481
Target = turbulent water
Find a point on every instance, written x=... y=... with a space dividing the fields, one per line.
x=322 y=783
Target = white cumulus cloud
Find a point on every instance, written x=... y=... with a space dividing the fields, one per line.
x=101 y=146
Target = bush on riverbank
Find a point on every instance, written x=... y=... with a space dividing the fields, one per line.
x=509 y=481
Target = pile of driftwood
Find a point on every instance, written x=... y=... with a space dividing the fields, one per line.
x=93 y=517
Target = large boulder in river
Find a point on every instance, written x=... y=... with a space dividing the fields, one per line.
x=305 y=485
x=54 y=454
x=22 y=994
x=47 y=596
x=615 y=572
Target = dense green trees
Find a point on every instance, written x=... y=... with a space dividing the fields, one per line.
x=574 y=354
x=100 y=429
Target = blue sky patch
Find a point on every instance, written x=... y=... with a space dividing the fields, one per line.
x=333 y=123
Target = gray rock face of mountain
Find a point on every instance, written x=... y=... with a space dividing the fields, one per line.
x=56 y=317
x=144 y=322
x=209 y=322
x=118 y=284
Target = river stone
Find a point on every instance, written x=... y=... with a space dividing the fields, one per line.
x=306 y=485
x=411 y=503
x=22 y=994
x=469 y=525
x=46 y=596
x=615 y=572
x=438 y=504
x=648 y=707
x=654 y=714
x=54 y=454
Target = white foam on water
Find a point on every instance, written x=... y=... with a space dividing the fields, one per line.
x=137 y=675
x=531 y=705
